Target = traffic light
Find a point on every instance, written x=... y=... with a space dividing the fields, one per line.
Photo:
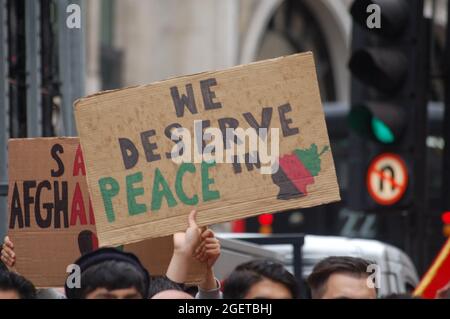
x=446 y=224
x=388 y=64
x=265 y=223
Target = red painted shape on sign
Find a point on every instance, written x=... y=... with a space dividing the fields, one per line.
x=296 y=172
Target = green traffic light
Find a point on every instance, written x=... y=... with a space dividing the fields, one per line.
x=382 y=132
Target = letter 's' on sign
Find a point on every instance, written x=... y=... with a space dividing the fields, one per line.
x=139 y=191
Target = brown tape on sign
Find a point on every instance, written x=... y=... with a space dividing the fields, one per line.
x=145 y=174
x=51 y=220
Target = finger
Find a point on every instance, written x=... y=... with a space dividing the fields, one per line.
x=8 y=242
x=208 y=233
x=8 y=253
x=8 y=261
x=202 y=252
x=199 y=248
x=211 y=241
x=211 y=246
x=192 y=219
x=202 y=258
x=199 y=253
x=212 y=252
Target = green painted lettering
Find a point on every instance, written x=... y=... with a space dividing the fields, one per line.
x=208 y=195
x=158 y=194
x=132 y=192
x=109 y=188
x=185 y=167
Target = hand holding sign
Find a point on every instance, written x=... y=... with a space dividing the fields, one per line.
x=209 y=249
x=207 y=253
x=186 y=243
x=8 y=255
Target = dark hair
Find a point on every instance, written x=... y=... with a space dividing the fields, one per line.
x=12 y=281
x=331 y=265
x=162 y=283
x=400 y=296
x=246 y=275
x=2 y=265
x=112 y=275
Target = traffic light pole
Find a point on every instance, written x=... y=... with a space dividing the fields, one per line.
x=446 y=132
x=4 y=112
x=420 y=210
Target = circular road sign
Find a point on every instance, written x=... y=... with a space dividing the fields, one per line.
x=387 y=179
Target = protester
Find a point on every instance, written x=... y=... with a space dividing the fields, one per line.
x=8 y=260
x=172 y=294
x=341 y=278
x=8 y=257
x=444 y=292
x=400 y=296
x=162 y=283
x=199 y=244
x=261 y=279
x=14 y=286
x=109 y=273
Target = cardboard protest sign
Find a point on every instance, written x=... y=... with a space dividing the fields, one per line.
x=155 y=152
x=51 y=220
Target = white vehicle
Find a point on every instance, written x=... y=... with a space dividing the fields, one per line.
x=398 y=274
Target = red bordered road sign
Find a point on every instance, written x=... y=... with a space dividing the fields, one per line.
x=387 y=179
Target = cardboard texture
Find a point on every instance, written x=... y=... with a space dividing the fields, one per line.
x=139 y=192
x=51 y=222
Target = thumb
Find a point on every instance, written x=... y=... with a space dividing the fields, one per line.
x=192 y=219
x=8 y=242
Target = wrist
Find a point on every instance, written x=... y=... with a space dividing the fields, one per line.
x=182 y=252
x=178 y=267
x=209 y=282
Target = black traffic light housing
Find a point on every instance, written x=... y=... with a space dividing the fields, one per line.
x=389 y=93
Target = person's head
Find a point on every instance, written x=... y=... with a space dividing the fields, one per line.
x=341 y=277
x=162 y=283
x=108 y=273
x=172 y=294
x=260 y=279
x=14 y=286
x=400 y=296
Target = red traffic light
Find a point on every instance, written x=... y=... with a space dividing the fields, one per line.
x=265 y=219
x=446 y=218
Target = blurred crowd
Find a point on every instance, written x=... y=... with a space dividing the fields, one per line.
x=109 y=273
